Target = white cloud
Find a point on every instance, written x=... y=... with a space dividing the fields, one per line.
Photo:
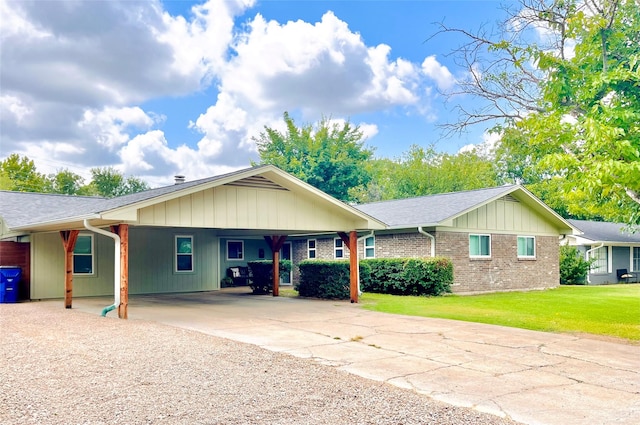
x=317 y=69
x=77 y=79
x=109 y=125
x=368 y=130
x=486 y=147
x=14 y=106
x=438 y=72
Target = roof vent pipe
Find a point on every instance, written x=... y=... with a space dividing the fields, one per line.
x=179 y=179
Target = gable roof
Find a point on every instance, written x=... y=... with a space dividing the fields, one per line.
x=37 y=211
x=441 y=209
x=600 y=231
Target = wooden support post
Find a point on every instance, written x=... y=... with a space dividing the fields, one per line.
x=351 y=241
x=69 y=238
x=123 y=231
x=276 y=272
x=275 y=242
x=353 y=265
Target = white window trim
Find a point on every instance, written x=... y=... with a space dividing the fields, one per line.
x=480 y=256
x=337 y=248
x=631 y=249
x=535 y=251
x=176 y=253
x=227 y=250
x=315 y=249
x=373 y=247
x=609 y=261
x=93 y=256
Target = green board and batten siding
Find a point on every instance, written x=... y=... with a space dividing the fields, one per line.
x=236 y=207
x=47 y=268
x=151 y=264
x=506 y=215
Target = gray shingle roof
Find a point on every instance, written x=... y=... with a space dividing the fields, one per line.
x=20 y=209
x=599 y=231
x=23 y=208
x=433 y=209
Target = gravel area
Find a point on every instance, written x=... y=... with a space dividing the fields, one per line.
x=62 y=366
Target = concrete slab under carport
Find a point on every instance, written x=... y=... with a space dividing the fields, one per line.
x=531 y=377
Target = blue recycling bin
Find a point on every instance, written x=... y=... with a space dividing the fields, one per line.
x=9 y=280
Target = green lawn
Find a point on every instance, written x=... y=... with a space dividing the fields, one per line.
x=612 y=310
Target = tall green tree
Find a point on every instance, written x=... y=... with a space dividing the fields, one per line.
x=569 y=102
x=109 y=182
x=65 y=182
x=424 y=171
x=18 y=173
x=330 y=156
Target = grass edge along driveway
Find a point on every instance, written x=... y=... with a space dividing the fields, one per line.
x=607 y=310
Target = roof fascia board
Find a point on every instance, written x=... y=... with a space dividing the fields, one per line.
x=412 y=226
x=608 y=243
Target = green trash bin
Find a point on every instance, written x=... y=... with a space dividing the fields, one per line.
x=9 y=280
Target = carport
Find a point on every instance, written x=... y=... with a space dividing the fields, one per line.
x=169 y=234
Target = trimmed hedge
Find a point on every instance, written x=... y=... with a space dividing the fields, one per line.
x=408 y=276
x=397 y=276
x=261 y=281
x=324 y=279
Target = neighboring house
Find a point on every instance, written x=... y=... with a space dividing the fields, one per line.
x=612 y=247
x=499 y=239
x=179 y=238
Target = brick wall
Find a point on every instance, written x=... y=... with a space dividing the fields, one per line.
x=504 y=271
x=401 y=245
x=324 y=251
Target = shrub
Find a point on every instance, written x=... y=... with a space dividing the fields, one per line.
x=409 y=276
x=573 y=266
x=324 y=279
x=386 y=276
x=397 y=276
x=261 y=280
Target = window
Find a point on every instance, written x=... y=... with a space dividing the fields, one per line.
x=338 y=248
x=83 y=255
x=184 y=253
x=235 y=250
x=370 y=247
x=526 y=247
x=600 y=258
x=311 y=248
x=480 y=245
x=635 y=260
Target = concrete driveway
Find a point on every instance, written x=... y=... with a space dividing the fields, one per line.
x=531 y=377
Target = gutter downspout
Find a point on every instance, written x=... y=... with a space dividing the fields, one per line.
x=361 y=238
x=116 y=262
x=586 y=257
x=430 y=236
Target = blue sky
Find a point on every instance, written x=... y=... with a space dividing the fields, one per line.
x=159 y=88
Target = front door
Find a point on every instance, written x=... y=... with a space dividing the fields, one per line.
x=285 y=254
